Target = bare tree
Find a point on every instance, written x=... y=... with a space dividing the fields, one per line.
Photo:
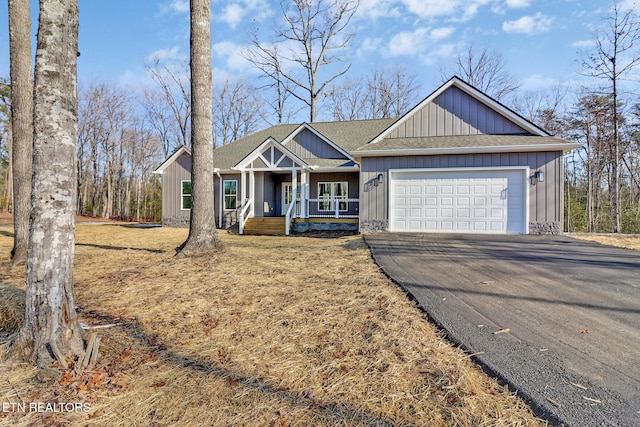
x=5 y=149
x=50 y=325
x=387 y=92
x=615 y=56
x=236 y=111
x=545 y=108
x=484 y=70
x=203 y=235
x=161 y=120
x=22 y=123
x=117 y=149
x=279 y=90
x=174 y=86
x=348 y=101
x=314 y=32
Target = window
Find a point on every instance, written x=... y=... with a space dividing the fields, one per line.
x=330 y=191
x=230 y=194
x=185 y=192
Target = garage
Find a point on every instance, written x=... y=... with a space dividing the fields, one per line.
x=463 y=200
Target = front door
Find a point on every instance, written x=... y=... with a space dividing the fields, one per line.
x=287 y=196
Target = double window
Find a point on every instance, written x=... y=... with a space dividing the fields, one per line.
x=333 y=192
x=230 y=194
x=185 y=193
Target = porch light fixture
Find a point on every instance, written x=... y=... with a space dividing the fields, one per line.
x=380 y=178
x=539 y=176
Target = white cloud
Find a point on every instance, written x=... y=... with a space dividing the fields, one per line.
x=431 y=8
x=371 y=44
x=535 y=24
x=374 y=9
x=583 y=43
x=517 y=4
x=630 y=5
x=445 y=50
x=237 y=12
x=453 y=10
x=179 y=6
x=164 y=55
x=470 y=9
x=233 y=14
x=441 y=33
x=233 y=55
x=407 y=42
x=415 y=42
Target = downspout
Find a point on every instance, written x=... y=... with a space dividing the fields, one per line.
x=220 y=208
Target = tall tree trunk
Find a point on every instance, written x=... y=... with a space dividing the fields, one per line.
x=50 y=325
x=22 y=121
x=9 y=176
x=203 y=235
x=616 y=156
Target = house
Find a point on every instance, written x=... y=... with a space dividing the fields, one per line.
x=458 y=162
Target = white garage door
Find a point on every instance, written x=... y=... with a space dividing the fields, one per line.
x=459 y=201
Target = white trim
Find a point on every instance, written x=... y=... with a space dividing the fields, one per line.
x=526 y=186
x=270 y=165
x=318 y=169
x=224 y=195
x=220 y=197
x=468 y=150
x=182 y=194
x=474 y=93
x=179 y=152
x=332 y=197
x=319 y=135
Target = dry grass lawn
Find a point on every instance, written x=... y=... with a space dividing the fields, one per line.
x=629 y=241
x=273 y=331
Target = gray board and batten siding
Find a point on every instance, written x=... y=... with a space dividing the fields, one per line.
x=454 y=112
x=545 y=198
x=307 y=145
x=172 y=213
x=454 y=120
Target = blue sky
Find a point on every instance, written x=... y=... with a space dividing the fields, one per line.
x=539 y=39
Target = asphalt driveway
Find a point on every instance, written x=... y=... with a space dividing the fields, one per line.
x=556 y=318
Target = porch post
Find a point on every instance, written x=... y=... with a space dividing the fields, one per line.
x=294 y=190
x=303 y=193
x=243 y=187
x=252 y=191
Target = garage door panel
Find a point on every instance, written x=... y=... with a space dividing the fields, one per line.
x=431 y=213
x=483 y=201
x=463 y=213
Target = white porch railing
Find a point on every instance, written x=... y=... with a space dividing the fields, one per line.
x=290 y=211
x=334 y=208
x=242 y=220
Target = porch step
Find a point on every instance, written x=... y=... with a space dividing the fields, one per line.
x=273 y=226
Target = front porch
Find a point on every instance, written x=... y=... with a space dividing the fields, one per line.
x=275 y=183
x=276 y=225
x=293 y=211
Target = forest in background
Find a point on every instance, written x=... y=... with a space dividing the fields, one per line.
x=125 y=133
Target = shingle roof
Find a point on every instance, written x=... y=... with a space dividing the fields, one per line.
x=229 y=155
x=346 y=135
x=460 y=141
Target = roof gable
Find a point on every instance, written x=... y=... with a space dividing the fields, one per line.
x=307 y=143
x=456 y=109
x=271 y=155
x=179 y=152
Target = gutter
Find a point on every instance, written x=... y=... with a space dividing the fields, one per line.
x=467 y=150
